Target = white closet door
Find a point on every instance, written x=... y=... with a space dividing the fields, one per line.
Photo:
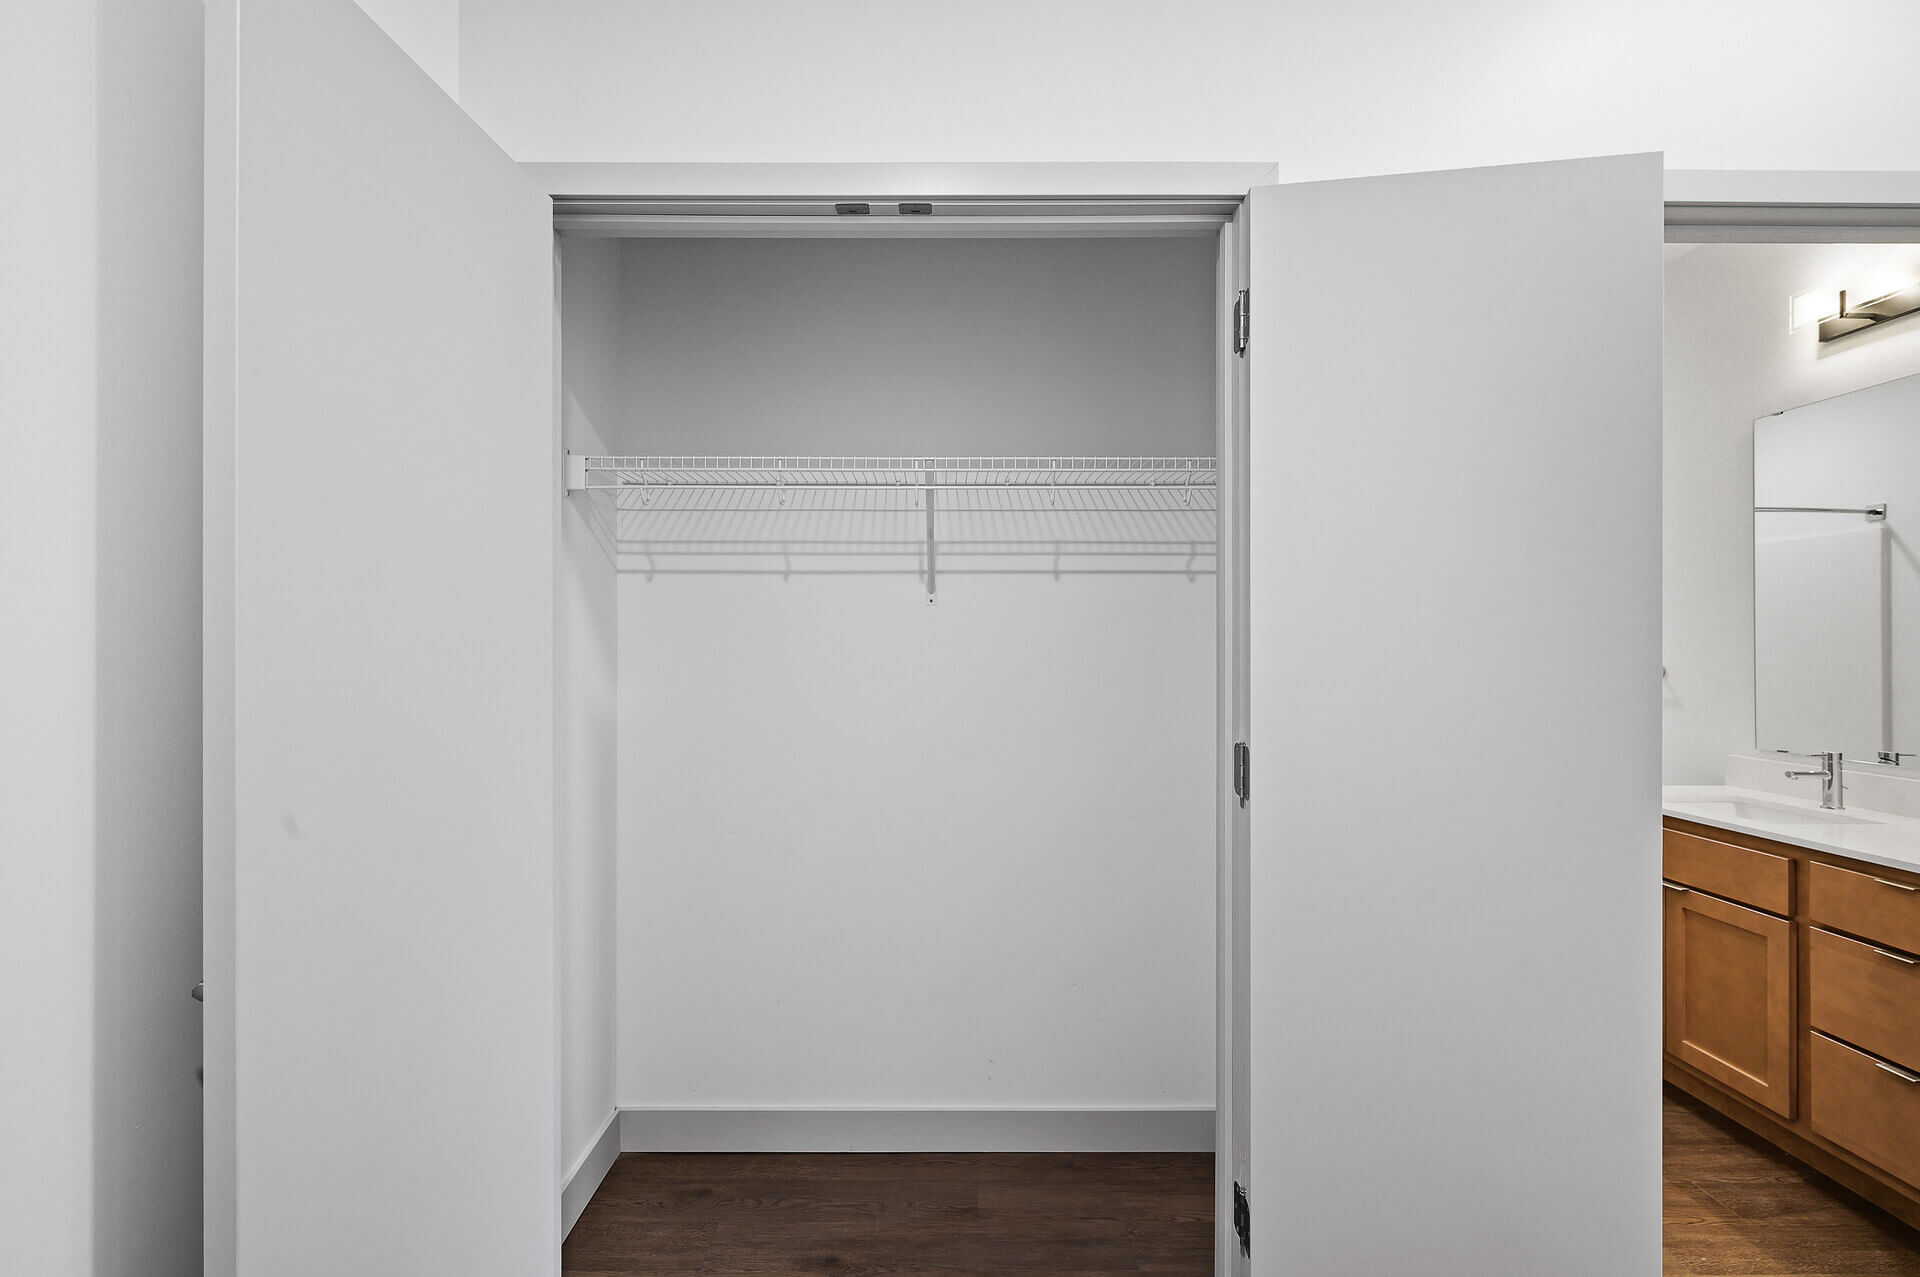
x=1454 y=591
x=382 y=478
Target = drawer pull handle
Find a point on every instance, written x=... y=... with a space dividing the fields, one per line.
x=1897 y=886
x=1894 y=1069
x=1897 y=1071
x=1674 y=886
x=1897 y=957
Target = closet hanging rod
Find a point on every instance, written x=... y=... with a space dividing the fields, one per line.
x=807 y=485
x=1874 y=513
x=586 y=473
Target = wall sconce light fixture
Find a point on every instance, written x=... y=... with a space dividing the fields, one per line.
x=1840 y=311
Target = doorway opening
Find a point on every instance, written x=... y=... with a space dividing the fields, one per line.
x=1792 y=620
x=894 y=744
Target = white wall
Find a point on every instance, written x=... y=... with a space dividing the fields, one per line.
x=919 y=347
x=99 y=639
x=876 y=853
x=588 y=282
x=429 y=31
x=147 y=1095
x=49 y=631
x=1730 y=359
x=1326 y=89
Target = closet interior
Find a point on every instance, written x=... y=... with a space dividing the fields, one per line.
x=889 y=634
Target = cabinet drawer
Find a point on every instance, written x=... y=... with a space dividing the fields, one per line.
x=1866 y=1106
x=1885 y=909
x=1739 y=873
x=1865 y=995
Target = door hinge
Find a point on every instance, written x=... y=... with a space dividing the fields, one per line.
x=1242 y=771
x=1242 y=1219
x=1242 y=320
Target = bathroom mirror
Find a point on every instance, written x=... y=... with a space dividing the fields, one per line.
x=1836 y=570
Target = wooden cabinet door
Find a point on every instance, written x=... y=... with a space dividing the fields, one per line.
x=1729 y=995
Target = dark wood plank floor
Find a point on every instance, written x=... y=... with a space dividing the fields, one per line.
x=915 y=1214
x=1737 y=1207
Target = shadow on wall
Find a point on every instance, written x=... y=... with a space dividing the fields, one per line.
x=841 y=533
x=146 y=854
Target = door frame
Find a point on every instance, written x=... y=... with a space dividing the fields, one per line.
x=1752 y=206
x=1027 y=201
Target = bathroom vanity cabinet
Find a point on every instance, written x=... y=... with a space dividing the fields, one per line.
x=1793 y=1002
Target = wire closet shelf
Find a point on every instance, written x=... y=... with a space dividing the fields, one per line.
x=650 y=488
x=936 y=474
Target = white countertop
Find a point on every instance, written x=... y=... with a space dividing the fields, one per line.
x=1872 y=836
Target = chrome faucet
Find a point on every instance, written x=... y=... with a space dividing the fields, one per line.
x=1831 y=787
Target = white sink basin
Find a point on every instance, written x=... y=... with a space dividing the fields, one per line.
x=1773 y=814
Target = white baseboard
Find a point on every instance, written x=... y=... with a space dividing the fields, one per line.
x=584 y=1179
x=904 y=1130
